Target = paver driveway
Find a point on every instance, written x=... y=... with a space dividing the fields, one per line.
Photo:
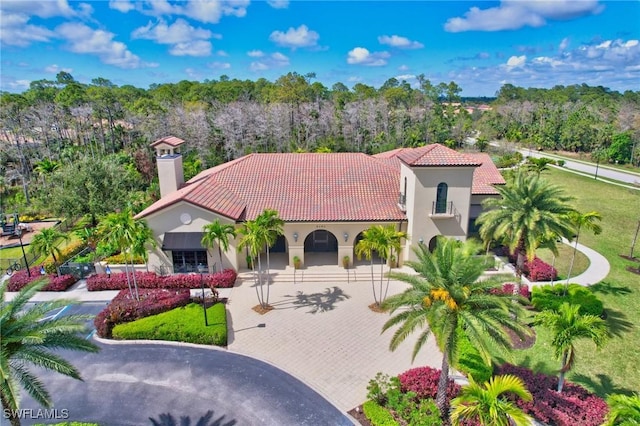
x=324 y=334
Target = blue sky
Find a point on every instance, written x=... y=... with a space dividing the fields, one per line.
x=480 y=45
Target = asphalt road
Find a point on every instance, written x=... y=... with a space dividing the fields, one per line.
x=131 y=384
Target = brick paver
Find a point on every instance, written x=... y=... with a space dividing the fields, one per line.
x=331 y=339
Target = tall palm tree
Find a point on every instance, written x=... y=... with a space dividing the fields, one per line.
x=623 y=410
x=27 y=338
x=143 y=239
x=579 y=221
x=447 y=295
x=367 y=247
x=119 y=229
x=528 y=209
x=217 y=234
x=254 y=236
x=46 y=168
x=46 y=242
x=273 y=225
x=485 y=402
x=567 y=325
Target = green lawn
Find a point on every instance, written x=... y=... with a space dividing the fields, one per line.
x=563 y=260
x=185 y=324
x=614 y=369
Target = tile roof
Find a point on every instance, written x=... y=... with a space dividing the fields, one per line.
x=485 y=176
x=319 y=187
x=169 y=140
x=434 y=155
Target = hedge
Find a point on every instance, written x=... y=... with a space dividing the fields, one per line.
x=65 y=254
x=124 y=308
x=21 y=278
x=574 y=406
x=550 y=297
x=377 y=415
x=118 y=281
x=424 y=382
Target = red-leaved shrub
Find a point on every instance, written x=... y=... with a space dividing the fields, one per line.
x=21 y=278
x=424 y=382
x=124 y=308
x=508 y=288
x=539 y=270
x=574 y=406
x=118 y=281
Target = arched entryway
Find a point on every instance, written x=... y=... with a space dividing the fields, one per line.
x=433 y=242
x=363 y=260
x=320 y=248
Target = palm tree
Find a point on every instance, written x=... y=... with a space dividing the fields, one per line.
x=45 y=168
x=623 y=410
x=582 y=220
x=143 y=238
x=254 y=237
x=567 y=325
x=217 y=234
x=528 y=210
x=446 y=295
x=46 y=242
x=484 y=402
x=28 y=339
x=367 y=247
x=270 y=220
x=119 y=230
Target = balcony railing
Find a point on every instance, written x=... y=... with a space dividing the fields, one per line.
x=443 y=210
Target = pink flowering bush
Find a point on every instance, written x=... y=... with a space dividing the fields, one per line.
x=118 y=281
x=574 y=406
x=539 y=270
x=124 y=307
x=21 y=278
x=424 y=382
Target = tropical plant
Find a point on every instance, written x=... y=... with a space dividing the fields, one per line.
x=143 y=240
x=29 y=338
x=624 y=410
x=567 y=325
x=217 y=234
x=273 y=225
x=579 y=221
x=447 y=295
x=254 y=237
x=529 y=209
x=386 y=241
x=486 y=404
x=46 y=242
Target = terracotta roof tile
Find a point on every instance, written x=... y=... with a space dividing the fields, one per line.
x=485 y=176
x=434 y=155
x=169 y=140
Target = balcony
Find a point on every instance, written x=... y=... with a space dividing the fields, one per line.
x=441 y=210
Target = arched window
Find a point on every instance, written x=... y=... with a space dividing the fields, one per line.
x=441 y=198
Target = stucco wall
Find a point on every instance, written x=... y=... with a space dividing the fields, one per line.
x=170 y=173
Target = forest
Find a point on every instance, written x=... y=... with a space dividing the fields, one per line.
x=71 y=149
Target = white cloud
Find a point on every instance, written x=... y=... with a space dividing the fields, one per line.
x=123 y=6
x=193 y=73
x=278 y=4
x=191 y=48
x=15 y=31
x=405 y=77
x=295 y=37
x=219 y=65
x=516 y=62
x=403 y=68
x=55 y=69
x=222 y=53
x=82 y=39
x=399 y=42
x=41 y=9
x=178 y=32
x=275 y=60
x=206 y=11
x=362 y=56
x=514 y=14
x=564 y=44
x=255 y=53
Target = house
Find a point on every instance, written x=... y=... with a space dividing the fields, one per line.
x=325 y=199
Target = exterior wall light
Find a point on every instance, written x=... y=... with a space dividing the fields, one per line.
x=346 y=237
x=420 y=241
x=295 y=237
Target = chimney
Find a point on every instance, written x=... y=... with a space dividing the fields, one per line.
x=169 y=160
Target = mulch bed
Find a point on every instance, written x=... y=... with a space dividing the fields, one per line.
x=263 y=310
x=359 y=416
x=376 y=308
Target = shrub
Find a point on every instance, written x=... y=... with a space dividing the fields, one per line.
x=550 y=297
x=377 y=415
x=574 y=406
x=183 y=324
x=65 y=254
x=224 y=279
x=508 y=288
x=121 y=259
x=124 y=308
x=469 y=360
x=424 y=382
x=21 y=278
x=539 y=270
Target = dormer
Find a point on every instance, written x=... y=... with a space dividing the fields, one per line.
x=169 y=161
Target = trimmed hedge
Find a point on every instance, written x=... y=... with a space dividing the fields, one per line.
x=184 y=324
x=223 y=279
x=574 y=406
x=124 y=308
x=377 y=415
x=549 y=297
x=21 y=278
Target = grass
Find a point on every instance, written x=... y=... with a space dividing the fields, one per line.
x=563 y=260
x=613 y=369
x=185 y=324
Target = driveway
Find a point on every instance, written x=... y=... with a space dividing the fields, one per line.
x=130 y=384
x=324 y=334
